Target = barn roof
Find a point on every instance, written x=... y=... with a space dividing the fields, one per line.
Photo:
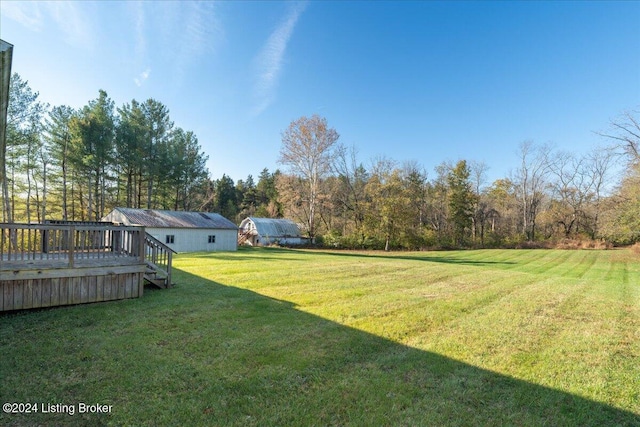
x=275 y=227
x=171 y=219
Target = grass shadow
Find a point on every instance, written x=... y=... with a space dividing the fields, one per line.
x=212 y=354
x=430 y=258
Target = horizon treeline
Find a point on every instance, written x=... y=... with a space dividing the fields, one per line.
x=77 y=165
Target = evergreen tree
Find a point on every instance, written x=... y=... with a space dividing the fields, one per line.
x=226 y=202
x=157 y=127
x=24 y=127
x=58 y=134
x=95 y=131
x=461 y=200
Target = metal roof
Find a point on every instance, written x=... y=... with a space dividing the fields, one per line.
x=171 y=219
x=275 y=227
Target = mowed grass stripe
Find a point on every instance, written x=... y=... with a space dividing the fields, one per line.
x=273 y=337
x=580 y=264
x=514 y=258
x=597 y=349
x=504 y=289
x=499 y=333
x=624 y=347
x=556 y=262
x=526 y=257
x=428 y=308
x=535 y=319
x=599 y=271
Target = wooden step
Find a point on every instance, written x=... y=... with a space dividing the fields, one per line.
x=161 y=283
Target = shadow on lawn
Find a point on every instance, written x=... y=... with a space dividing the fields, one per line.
x=228 y=356
x=427 y=258
x=263 y=254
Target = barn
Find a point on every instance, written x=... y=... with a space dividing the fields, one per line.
x=181 y=231
x=267 y=231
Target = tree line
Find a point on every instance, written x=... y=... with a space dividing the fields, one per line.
x=78 y=164
x=550 y=196
x=63 y=163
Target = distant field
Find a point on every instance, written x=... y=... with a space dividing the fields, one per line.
x=275 y=337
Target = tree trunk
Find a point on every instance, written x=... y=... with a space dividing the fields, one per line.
x=6 y=202
x=44 y=190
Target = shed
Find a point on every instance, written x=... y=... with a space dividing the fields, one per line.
x=182 y=231
x=267 y=231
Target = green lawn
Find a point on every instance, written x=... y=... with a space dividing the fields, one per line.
x=274 y=337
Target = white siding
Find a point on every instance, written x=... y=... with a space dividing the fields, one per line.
x=197 y=240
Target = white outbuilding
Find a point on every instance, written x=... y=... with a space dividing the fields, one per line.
x=182 y=231
x=268 y=231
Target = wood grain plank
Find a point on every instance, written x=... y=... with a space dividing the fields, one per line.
x=54 y=293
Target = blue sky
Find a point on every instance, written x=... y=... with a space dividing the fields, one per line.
x=412 y=81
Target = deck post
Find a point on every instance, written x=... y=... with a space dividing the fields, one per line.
x=72 y=244
x=170 y=255
x=45 y=241
x=116 y=241
x=141 y=243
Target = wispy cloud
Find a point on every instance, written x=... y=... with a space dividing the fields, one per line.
x=69 y=17
x=182 y=32
x=26 y=13
x=73 y=21
x=270 y=59
x=202 y=26
x=137 y=15
x=200 y=32
x=139 y=22
x=142 y=77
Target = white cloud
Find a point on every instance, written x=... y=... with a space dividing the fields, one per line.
x=26 y=13
x=142 y=77
x=67 y=16
x=185 y=32
x=73 y=22
x=141 y=41
x=269 y=60
x=200 y=31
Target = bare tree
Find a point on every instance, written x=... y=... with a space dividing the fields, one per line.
x=626 y=130
x=530 y=180
x=350 y=194
x=599 y=165
x=478 y=179
x=572 y=190
x=308 y=150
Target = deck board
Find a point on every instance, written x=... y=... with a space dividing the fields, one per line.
x=36 y=283
x=62 y=261
x=67 y=262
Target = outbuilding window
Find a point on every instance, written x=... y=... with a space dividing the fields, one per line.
x=170 y=238
x=212 y=239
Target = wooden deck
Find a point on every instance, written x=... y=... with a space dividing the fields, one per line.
x=50 y=265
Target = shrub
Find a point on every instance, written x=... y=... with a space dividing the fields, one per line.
x=574 y=244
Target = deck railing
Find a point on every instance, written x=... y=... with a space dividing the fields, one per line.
x=69 y=242
x=159 y=257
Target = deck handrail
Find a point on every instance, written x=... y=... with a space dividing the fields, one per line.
x=158 y=256
x=31 y=242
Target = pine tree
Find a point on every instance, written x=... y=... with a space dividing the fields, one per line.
x=461 y=200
